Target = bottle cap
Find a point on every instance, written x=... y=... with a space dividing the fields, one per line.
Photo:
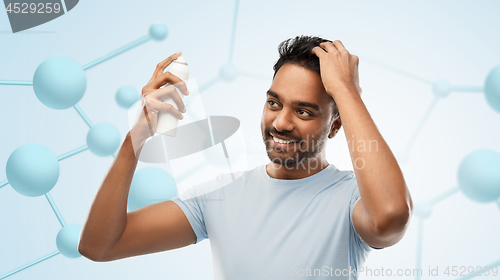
x=181 y=59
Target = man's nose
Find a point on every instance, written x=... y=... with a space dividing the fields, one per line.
x=283 y=121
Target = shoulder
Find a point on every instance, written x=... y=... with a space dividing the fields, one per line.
x=344 y=179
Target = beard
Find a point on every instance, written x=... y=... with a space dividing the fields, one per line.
x=295 y=155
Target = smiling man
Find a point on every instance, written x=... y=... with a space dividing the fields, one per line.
x=297 y=216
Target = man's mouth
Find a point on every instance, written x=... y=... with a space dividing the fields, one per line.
x=283 y=143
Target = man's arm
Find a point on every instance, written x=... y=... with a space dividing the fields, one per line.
x=382 y=215
x=110 y=233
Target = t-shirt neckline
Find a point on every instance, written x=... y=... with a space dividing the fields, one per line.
x=296 y=182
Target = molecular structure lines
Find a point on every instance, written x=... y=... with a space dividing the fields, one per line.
x=228 y=72
x=478 y=176
x=32 y=170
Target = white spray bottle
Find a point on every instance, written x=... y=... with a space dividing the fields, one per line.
x=167 y=123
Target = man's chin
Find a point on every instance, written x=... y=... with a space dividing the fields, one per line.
x=284 y=160
x=286 y=164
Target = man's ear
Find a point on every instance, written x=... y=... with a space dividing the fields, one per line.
x=336 y=124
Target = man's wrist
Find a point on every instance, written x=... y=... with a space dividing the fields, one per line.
x=137 y=140
x=344 y=89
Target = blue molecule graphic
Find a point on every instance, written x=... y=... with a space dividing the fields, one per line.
x=32 y=170
x=158 y=31
x=150 y=185
x=126 y=96
x=67 y=241
x=492 y=88
x=103 y=139
x=441 y=88
x=423 y=209
x=228 y=72
x=479 y=176
x=59 y=82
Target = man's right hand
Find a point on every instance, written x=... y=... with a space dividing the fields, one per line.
x=147 y=116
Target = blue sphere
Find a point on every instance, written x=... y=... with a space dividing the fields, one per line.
x=228 y=72
x=492 y=88
x=59 y=82
x=158 y=31
x=479 y=175
x=32 y=170
x=149 y=186
x=441 y=88
x=126 y=96
x=67 y=240
x=103 y=139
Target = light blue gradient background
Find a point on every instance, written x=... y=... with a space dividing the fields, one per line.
x=452 y=40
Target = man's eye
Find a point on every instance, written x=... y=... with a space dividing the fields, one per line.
x=304 y=115
x=271 y=102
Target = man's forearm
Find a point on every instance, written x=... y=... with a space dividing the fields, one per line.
x=108 y=214
x=380 y=180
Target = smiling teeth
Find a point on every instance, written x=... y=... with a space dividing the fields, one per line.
x=282 y=141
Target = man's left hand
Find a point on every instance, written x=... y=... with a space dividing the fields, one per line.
x=339 y=68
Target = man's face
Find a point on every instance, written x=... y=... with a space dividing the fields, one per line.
x=297 y=108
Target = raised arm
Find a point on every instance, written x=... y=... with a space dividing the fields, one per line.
x=109 y=232
x=382 y=215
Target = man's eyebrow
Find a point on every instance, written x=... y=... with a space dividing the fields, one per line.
x=273 y=94
x=297 y=103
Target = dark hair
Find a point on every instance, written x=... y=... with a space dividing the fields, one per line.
x=298 y=51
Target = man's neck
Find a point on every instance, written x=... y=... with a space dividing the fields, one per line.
x=308 y=168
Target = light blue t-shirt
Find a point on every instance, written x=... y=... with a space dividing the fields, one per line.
x=265 y=228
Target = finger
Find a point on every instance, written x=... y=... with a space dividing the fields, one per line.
x=168 y=77
x=328 y=46
x=170 y=92
x=318 y=51
x=165 y=107
x=163 y=92
x=160 y=68
x=173 y=80
x=182 y=87
x=340 y=47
